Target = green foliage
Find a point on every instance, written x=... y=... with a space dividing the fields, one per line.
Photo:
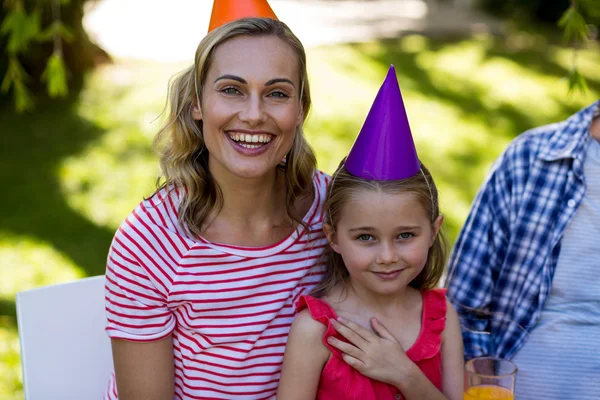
x=22 y=28
x=16 y=77
x=577 y=82
x=574 y=25
x=55 y=76
x=56 y=29
x=577 y=32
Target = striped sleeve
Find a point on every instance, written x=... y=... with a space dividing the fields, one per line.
x=137 y=286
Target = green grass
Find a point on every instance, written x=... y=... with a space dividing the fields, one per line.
x=74 y=170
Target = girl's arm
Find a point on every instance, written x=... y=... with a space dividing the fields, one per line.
x=453 y=363
x=305 y=357
x=144 y=371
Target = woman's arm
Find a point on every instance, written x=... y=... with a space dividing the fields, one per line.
x=144 y=370
x=452 y=356
x=305 y=357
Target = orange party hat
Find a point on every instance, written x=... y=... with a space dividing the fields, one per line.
x=225 y=11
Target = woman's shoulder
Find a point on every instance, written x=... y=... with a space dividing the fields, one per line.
x=321 y=180
x=154 y=217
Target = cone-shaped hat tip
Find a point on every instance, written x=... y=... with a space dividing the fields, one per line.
x=384 y=148
x=225 y=11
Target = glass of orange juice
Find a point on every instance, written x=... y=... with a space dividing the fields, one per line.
x=488 y=378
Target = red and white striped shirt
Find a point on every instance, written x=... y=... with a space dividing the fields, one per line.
x=229 y=308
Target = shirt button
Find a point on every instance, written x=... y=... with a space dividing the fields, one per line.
x=571 y=203
x=398 y=396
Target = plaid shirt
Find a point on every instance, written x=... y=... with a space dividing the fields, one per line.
x=501 y=269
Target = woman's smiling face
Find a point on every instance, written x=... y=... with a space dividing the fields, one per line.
x=250 y=105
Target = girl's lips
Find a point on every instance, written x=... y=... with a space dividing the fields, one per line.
x=388 y=275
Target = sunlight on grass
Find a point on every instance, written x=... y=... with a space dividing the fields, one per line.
x=110 y=178
x=10 y=366
x=587 y=60
x=26 y=263
x=107 y=180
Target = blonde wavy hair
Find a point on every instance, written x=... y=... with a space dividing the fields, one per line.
x=339 y=192
x=180 y=141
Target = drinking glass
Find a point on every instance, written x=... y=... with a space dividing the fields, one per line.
x=489 y=378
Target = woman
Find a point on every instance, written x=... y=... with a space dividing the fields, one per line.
x=202 y=276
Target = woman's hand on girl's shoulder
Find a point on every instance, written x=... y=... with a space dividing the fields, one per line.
x=452 y=355
x=305 y=357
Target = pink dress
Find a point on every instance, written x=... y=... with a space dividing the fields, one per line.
x=341 y=381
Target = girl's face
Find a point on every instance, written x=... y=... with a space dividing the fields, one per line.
x=384 y=240
x=250 y=106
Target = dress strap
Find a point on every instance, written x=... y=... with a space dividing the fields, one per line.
x=322 y=312
x=432 y=325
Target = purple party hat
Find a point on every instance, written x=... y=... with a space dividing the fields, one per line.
x=384 y=149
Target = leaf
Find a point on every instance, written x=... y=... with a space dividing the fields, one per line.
x=577 y=82
x=55 y=76
x=14 y=74
x=6 y=82
x=8 y=22
x=20 y=28
x=57 y=28
x=23 y=98
x=574 y=25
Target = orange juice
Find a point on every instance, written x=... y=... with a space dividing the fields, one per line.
x=488 y=392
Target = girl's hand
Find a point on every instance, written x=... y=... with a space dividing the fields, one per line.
x=377 y=356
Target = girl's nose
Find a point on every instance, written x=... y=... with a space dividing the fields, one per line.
x=387 y=254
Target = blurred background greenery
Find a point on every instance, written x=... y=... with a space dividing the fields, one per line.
x=74 y=168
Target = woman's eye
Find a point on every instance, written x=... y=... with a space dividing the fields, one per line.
x=364 y=237
x=405 y=235
x=278 y=95
x=230 y=90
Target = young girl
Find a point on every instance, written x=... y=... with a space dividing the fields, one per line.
x=375 y=328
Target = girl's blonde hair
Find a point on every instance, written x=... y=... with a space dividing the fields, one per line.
x=341 y=189
x=180 y=141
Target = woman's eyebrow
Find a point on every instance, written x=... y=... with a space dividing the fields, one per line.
x=279 y=80
x=243 y=81
x=232 y=77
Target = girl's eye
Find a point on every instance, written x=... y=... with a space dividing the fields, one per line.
x=279 y=95
x=405 y=235
x=364 y=237
x=230 y=90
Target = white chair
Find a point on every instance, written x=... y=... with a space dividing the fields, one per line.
x=65 y=351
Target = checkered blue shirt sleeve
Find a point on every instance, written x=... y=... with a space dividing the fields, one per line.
x=477 y=258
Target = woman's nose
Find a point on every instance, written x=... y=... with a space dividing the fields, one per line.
x=253 y=111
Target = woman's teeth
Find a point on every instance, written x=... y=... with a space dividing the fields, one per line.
x=250 y=141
